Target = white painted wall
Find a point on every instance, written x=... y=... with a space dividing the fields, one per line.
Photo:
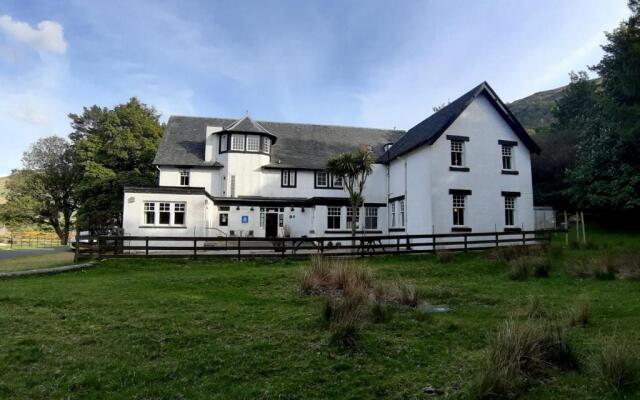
x=429 y=178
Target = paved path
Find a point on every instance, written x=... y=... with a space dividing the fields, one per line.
x=31 y=252
x=42 y=271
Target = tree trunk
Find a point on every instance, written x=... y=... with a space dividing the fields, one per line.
x=354 y=218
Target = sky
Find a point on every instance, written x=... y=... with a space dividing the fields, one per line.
x=380 y=64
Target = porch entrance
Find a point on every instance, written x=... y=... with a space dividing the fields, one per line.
x=271 y=224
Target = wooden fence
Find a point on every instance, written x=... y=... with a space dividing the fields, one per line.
x=248 y=247
x=30 y=241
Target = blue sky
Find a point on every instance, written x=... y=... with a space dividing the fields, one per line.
x=366 y=63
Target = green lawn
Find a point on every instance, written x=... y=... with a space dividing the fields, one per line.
x=241 y=330
x=45 y=260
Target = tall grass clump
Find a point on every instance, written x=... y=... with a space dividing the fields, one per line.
x=579 y=314
x=346 y=317
x=444 y=256
x=397 y=292
x=506 y=254
x=331 y=275
x=520 y=353
x=536 y=309
x=618 y=365
x=524 y=267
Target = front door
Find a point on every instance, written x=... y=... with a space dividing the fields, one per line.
x=271 y=225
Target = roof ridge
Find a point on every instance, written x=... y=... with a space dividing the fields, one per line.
x=293 y=123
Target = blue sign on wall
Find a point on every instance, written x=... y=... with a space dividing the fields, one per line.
x=245 y=219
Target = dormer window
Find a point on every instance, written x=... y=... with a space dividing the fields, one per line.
x=266 y=145
x=322 y=179
x=237 y=142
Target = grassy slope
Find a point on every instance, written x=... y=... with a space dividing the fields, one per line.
x=45 y=260
x=177 y=329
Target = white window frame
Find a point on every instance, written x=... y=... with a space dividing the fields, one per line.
x=457 y=147
x=337 y=181
x=510 y=210
x=371 y=218
x=149 y=207
x=266 y=145
x=185 y=177
x=237 y=142
x=326 y=179
x=161 y=207
x=232 y=186
x=401 y=214
x=179 y=208
x=349 y=215
x=253 y=143
x=224 y=143
x=507 y=155
x=458 y=207
x=333 y=212
x=393 y=214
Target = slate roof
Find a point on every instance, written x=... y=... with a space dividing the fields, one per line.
x=302 y=146
x=247 y=125
x=429 y=130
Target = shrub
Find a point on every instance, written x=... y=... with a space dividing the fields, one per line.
x=617 y=365
x=628 y=265
x=523 y=267
x=329 y=275
x=579 y=314
x=519 y=353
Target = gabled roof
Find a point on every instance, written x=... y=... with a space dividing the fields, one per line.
x=429 y=130
x=302 y=146
x=247 y=125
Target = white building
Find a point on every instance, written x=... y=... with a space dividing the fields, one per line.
x=466 y=168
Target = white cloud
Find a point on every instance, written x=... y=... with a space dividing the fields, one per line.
x=47 y=36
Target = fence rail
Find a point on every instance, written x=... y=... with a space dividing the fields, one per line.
x=247 y=247
x=30 y=241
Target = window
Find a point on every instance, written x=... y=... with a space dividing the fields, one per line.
x=280 y=220
x=223 y=219
x=509 y=210
x=507 y=157
x=184 y=177
x=149 y=213
x=350 y=217
x=266 y=145
x=253 y=143
x=237 y=142
x=322 y=179
x=165 y=213
x=457 y=153
x=401 y=212
x=262 y=217
x=223 y=142
x=288 y=178
x=232 y=190
x=371 y=218
x=393 y=214
x=178 y=214
x=337 y=181
x=458 y=209
x=333 y=217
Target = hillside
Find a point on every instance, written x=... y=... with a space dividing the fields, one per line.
x=536 y=111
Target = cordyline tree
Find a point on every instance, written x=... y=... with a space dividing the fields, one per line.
x=43 y=191
x=354 y=168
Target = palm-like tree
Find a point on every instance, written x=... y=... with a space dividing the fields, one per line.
x=354 y=168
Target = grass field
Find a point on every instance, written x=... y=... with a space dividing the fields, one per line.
x=242 y=330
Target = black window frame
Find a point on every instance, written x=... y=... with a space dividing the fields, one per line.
x=185 y=179
x=223 y=219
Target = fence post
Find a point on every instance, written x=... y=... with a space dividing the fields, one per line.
x=146 y=246
x=433 y=244
x=496 y=239
x=76 y=252
x=398 y=245
x=321 y=246
x=524 y=238
x=465 y=242
x=239 y=255
x=195 y=249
